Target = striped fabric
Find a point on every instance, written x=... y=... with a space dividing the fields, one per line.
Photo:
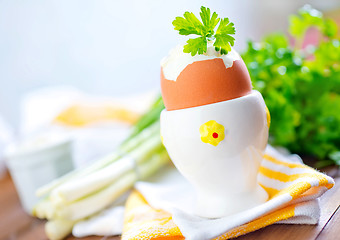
x=293 y=189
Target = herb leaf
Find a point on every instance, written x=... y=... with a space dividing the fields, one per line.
x=209 y=23
x=196 y=45
x=301 y=88
x=224 y=40
x=190 y=24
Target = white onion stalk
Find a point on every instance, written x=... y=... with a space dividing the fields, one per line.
x=44 y=209
x=89 y=185
x=61 y=226
x=98 y=201
x=82 y=187
x=58 y=229
x=46 y=189
x=102 y=163
x=84 y=192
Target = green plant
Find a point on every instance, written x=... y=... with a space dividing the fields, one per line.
x=301 y=87
x=189 y=24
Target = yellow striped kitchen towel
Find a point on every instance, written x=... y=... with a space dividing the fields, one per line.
x=157 y=209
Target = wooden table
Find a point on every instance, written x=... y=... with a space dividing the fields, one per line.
x=15 y=224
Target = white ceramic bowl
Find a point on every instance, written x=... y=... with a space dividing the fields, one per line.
x=225 y=175
x=38 y=162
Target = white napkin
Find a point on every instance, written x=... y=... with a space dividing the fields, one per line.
x=107 y=223
x=175 y=195
x=170 y=191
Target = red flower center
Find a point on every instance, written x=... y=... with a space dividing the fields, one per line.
x=215 y=135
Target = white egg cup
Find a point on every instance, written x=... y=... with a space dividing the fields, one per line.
x=224 y=176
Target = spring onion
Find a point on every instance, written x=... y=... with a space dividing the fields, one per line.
x=85 y=192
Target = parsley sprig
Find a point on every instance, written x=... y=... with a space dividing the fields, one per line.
x=190 y=24
x=301 y=86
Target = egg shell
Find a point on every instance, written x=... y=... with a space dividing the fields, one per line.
x=206 y=82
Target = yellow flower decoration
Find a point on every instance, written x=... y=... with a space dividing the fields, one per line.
x=268 y=117
x=212 y=132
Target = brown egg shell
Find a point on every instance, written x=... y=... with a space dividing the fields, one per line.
x=206 y=82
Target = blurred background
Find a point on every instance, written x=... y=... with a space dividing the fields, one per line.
x=110 y=47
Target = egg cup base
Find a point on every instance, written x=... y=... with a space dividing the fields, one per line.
x=218 y=205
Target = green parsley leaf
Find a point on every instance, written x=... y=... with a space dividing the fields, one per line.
x=304 y=99
x=196 y=45
x=209 y=23
x=226 y=27
x=330 y=28
x=224 y=40
x=190 y=24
